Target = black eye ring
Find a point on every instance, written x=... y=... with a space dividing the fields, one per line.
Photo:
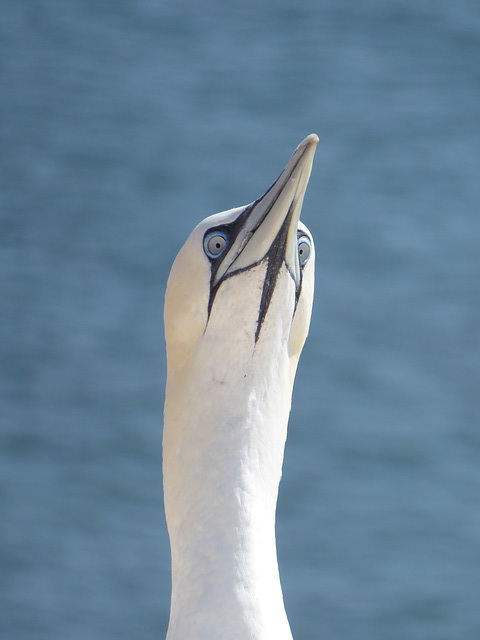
x=215 y=242
x=304 y=250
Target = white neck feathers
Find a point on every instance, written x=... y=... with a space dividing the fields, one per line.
x=225 y=430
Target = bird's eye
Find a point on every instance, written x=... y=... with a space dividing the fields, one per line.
x=215 y=243
x=304 y=250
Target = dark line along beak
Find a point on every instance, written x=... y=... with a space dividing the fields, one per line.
x=267 y=230
x=260 y=223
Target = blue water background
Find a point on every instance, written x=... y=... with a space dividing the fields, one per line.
x=124 y=123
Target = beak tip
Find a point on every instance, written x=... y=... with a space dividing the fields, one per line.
x=310 y=141
x=306 y=148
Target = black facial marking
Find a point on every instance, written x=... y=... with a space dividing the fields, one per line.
x=232 y=230
x=274 y=258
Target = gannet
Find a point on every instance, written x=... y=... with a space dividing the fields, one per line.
x=237 y=312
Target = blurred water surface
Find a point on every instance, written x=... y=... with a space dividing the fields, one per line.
x=122 y=124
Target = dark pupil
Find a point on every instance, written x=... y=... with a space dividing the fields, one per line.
x=218 y=245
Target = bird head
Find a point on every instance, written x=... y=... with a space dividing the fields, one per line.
x=245 y=276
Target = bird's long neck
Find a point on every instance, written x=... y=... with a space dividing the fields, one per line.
x=224 y=436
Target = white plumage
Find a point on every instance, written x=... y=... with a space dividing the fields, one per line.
x=237 y=312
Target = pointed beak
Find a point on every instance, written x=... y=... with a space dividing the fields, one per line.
x=272 y=220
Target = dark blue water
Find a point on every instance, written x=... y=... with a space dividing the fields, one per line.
x=122 y=124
